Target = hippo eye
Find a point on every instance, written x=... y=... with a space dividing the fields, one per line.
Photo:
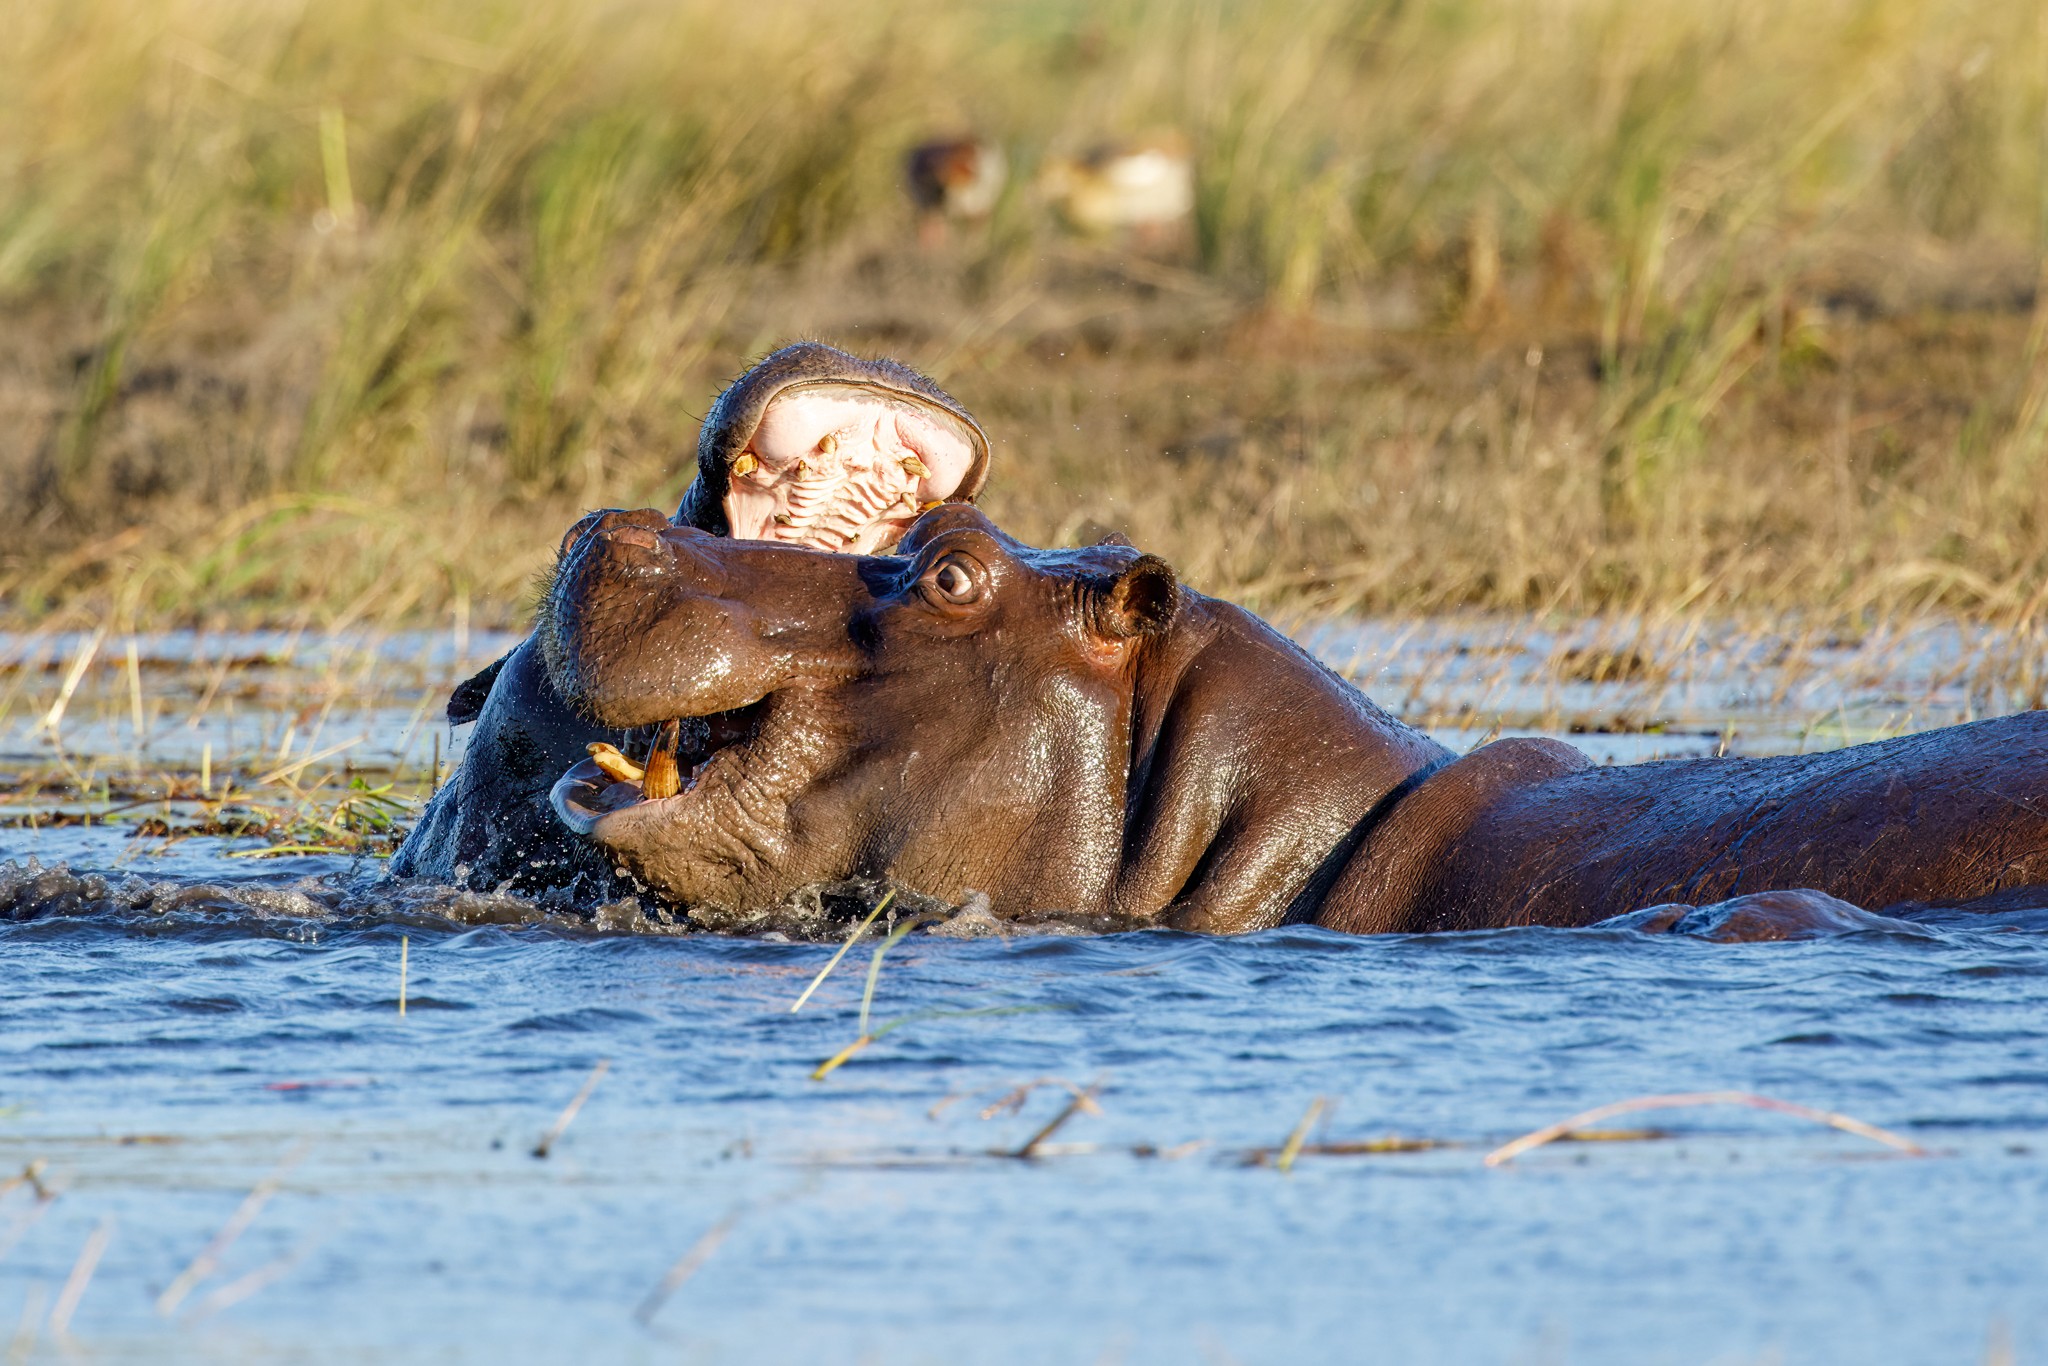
x=954 y=579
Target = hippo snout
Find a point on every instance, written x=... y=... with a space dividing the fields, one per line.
x=627 y=544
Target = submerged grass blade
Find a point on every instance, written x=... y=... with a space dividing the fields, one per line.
x=243 y=1286
x=686 y=1266
x=568 y=1115
x=895 y=936
x=1292 y=1148
x=80 y=1277
x=858 y=931
x=832 y=1064
x=238 y=1223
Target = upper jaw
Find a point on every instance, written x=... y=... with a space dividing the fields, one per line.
x=848 y=467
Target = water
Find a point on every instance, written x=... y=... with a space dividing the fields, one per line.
x=180 y=1028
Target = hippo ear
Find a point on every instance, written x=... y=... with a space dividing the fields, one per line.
x=1141 y=601
x=1114 y=538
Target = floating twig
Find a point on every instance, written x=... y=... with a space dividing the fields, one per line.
x=1292 y=1148
x=1082 y=1100
x=858 y=931
x=31 y=1176
x=80 y=1277
x=1508 y=1152
x=686 y=1266
x=1172 y=1154
x=1357 y=1147
x=590 y=1082
x=1011 y=1101
x=238 y=1223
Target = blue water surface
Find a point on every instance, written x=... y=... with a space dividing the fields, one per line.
x=200 y=1049
x=164 y=1063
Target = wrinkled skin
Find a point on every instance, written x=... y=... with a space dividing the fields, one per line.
x=811 y=447
x=1073 y=732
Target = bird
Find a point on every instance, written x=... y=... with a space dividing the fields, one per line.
x=953 y=180
x=1145 y=185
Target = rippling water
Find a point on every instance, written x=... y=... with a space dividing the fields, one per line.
x=178 y=1029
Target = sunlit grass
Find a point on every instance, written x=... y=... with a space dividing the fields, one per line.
x=343 y=312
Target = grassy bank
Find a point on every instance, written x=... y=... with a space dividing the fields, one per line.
x=344 y=311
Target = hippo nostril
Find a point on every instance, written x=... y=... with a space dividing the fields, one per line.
x=636 y=535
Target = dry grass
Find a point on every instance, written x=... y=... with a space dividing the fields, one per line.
x=340 y=312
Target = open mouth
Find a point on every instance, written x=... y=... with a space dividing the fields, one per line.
x=844 y=466
x=658 y=764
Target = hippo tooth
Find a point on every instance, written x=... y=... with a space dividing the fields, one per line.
x=827 y=444
x=663 y=778
x=746 y=464
x=615 y=764
x=915 y=468
x=927 y=507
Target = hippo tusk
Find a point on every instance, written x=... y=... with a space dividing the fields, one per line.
x=915 y=468
x=827 y=444
x=745 y=464
x=663 y=778
x=615 y=764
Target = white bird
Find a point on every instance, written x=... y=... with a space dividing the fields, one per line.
x=1143 y=184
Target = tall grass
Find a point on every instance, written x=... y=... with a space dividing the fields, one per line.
x=347 y=308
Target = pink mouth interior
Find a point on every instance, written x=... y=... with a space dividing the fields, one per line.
x=846 y=468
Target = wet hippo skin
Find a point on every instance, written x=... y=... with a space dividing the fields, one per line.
x=1073 y=732
x=811 y=446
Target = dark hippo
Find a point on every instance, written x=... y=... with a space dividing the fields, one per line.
x=810 y=447
x=1073 y=732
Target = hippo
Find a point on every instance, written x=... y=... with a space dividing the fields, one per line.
x=810 y=447
x=1075 y=733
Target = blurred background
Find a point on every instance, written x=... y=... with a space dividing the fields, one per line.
x=341 y=312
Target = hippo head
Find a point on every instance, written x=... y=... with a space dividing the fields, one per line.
x=817 y=447
x=957 y=717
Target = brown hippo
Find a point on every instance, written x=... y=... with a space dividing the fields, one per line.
x=1073 y=732
x=810 y=447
